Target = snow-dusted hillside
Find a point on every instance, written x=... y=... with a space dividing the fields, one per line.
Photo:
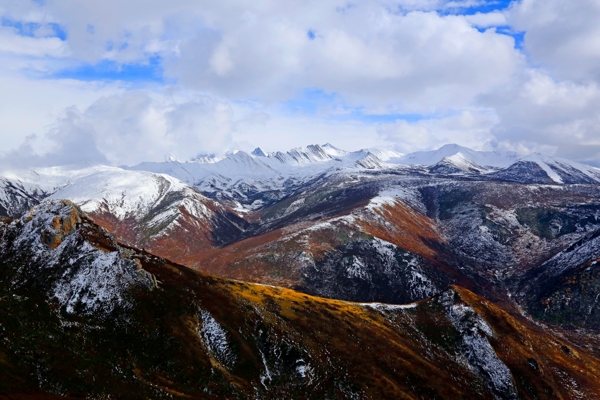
x=358 y=226
x=123 y=193
x=77 y=306
x=16 y=197
x=139 y=206
x=129 y=194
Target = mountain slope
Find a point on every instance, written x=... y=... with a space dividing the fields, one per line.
x=113 y=321
x=146 y=208
x=566 y=288
x=16 y=197
x=142 y=208
x=246 y=178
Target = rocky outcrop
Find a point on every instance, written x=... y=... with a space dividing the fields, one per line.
x=74 y=262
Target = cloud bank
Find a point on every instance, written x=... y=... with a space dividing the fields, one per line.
x=124 y=82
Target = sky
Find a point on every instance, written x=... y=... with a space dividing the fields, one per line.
x=125 y=81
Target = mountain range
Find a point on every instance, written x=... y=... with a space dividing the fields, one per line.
x=274 y=275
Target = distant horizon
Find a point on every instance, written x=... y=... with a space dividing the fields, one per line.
x=221 y=156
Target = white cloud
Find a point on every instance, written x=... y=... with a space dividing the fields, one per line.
x=416 y=62
x=486 y=20
x=135 y=126
x=470 y=128
x=538 y=113
x=31 y=106
x=12 y=43
x=562 y=36
x=369 y=52
x=138 y=126
x=237 y=67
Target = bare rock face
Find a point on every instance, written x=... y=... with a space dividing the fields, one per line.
x=475 y=347
x=73 y=261
x=62 y=224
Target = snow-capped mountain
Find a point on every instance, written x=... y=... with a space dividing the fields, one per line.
x=226 y=214
x=456 y=164
x=494 y=159
x=369 y=225
x=142 y=208
x=240 y=176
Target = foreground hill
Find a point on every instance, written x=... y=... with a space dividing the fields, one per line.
x=82 y=315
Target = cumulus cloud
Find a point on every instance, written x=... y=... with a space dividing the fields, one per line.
x=13 y=43
x=562 y=36
x=71 y=141
x=240 y=68
x=486 y=20
x=138 y=126
x=540 y=114
x=400 y=53
x=419 y=61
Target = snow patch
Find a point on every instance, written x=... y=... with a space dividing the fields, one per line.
x=389 y=307
x=476 y=348
x=100 y=285
x=357 y=269
x=390 y=195
x=215 y=339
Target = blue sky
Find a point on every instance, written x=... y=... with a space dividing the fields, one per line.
x=199 y=77
x=149 y=71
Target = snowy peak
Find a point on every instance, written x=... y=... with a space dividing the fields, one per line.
x=258 y=152
x=386 y=155
x=370 y=161
x=333 y=151
x=456 y=163
x=533 y=168
x=123 y=193
x=171 y=158
x=303 y=156
x=206 y=158
x=523 y=172
x=543 y=169
x=565 y=171
x=488 y=159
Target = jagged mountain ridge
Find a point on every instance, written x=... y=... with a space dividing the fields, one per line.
x=251 y=180
x=331 y=234
x=115 y=321
x=239 y=176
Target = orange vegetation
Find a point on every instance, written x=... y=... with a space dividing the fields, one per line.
x=560 y=366
x=405 y=227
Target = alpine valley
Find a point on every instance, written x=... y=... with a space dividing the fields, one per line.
x=313 y=273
